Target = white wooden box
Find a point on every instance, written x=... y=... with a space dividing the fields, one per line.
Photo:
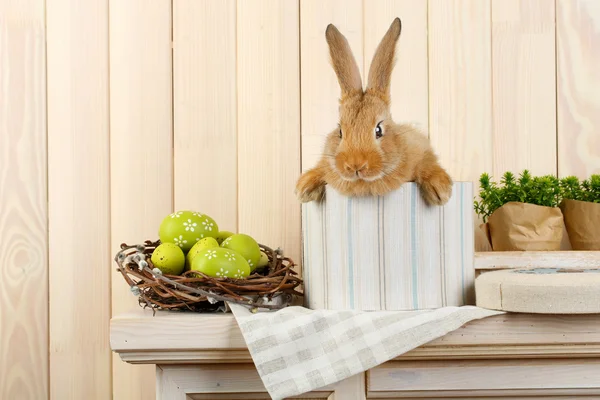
x=393 y=252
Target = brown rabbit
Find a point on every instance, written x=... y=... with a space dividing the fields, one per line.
x=369 y=154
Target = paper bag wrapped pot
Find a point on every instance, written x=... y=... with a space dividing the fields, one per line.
x=582 y=219
x=482 y=238
x=519 y=226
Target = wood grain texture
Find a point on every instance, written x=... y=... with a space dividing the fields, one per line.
x=269 y=122
x=485 y=375
x=467 y=352
x=504 y=394
x=352 y=388
x=23 y=202
x=409 y=84
x=578 y=83
x=524 y=86
x=313 y=257
x=140 y=150
x=319 y=86
x=457 y=243
x=389 y=253
x=257 y=396
x=412 y=251
x=545 y=259
x=212 y=382
x=204 y=103
x=460 y=84
x=170 y=338
x=79 y=199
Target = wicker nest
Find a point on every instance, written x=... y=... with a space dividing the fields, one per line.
x=273 y=287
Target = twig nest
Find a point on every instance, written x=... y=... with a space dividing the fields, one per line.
x=272 y=287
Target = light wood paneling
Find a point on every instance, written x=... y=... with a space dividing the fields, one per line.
x=232 y=382
x=539 y=259
x=389 y=253
x=23 y=202
x=141 y=156
x=512 y=335
x=239 y=106
x=409 y=85
x=524 y=86
x=484 y=375
x=204 y=90
x=79 y=199
x=578 y=80
x=460 y=84
x=319 y=85
x=269 y=122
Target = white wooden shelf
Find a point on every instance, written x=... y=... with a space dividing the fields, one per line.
x=205 y=357
x=487 y=260
x=172 y=338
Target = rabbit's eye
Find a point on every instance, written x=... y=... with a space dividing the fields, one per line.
x=378 y=131
x=340 y=133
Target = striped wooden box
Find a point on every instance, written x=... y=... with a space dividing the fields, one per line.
x=389 y=253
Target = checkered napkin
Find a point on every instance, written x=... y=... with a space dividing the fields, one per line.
x=297 y=350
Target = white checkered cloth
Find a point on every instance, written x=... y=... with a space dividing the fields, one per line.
x=297 y=350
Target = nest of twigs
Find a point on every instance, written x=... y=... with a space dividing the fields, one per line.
x=273 y=287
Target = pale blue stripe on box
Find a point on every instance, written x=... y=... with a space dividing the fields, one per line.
x=350 y=251
x=413 y=233
x=462 y=242
x=451 y=226
x=305 y=263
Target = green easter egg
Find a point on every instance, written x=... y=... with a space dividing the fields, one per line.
x=218 y=262
x=264 y=260
x=185 y=228
x=202 y=244
x=168 y=258
x=246 y=246
x=222 y=235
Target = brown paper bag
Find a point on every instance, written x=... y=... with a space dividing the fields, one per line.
x=482 y=238
x=565 y=243
x=526 y=227
x=582 y=220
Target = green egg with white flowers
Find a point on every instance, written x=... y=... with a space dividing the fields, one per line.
x=186 y=228
x=218 y=262
x=246 y=246
x=201 y=245
x=222 y=235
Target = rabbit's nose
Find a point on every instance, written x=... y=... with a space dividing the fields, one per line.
x=355 y=167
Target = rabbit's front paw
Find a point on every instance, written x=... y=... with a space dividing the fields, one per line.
x=310 y=187
x=437 y=188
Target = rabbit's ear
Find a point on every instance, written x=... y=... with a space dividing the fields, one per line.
x=343 y=61
x=383 y=60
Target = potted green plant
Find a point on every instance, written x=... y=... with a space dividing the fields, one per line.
x=580 y=206
x=521 y=213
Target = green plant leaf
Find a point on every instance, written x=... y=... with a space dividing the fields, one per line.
x=546 y=190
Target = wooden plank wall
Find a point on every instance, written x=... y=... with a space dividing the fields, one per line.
x=78 y=198
x=114 y=113
x=141 y=126
x=23 y=202
x=578 y=83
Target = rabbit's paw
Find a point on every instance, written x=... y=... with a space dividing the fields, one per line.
x=437 y=188
x=310 y=187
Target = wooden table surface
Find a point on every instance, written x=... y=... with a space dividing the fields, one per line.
x=171 y=337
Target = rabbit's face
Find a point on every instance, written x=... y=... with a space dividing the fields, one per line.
x=361 y=137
